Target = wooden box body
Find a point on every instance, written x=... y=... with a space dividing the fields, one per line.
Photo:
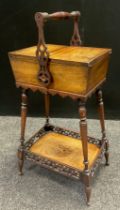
x=76 y=71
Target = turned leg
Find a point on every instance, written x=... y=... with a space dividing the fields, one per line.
x=84 y=138
x=102 y=123
x=47 y=107
x=23 y=124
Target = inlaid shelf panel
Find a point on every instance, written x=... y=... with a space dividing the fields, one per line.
x=61 y=150
x=64 y=149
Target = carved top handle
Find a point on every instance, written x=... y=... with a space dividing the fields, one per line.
x=42 y=52
x=40 y=18
x=58 y=15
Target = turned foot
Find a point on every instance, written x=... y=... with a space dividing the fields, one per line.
x=20 y=167
x=87 y=183
x=20 y=162
x=88 y=194
x=107 y=153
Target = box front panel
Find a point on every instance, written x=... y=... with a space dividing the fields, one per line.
x=69 y=77
x=66 y=77
x=25 y=72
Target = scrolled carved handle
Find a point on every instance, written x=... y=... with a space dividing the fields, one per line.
x=42 y=53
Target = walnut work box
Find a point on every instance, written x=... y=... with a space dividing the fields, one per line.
x=73 y=71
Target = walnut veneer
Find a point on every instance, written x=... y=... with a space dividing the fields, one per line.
x=84 y=69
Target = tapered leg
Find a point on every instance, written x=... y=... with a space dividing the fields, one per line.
x=87 y=181
x=47 y=107
x=102 y=123
x=23 y=124
x=84 y=138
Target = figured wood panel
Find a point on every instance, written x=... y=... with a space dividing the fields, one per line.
x=74 y=70
x=86 y=55
x=31 y=51
x=68 y=78
x=25 y=72
x=64 y=149
x=98 y=72
x=79 y=54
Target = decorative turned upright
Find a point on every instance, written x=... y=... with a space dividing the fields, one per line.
x=68 y=71
x=102 y=123
x=23 y=125
x=84 y=139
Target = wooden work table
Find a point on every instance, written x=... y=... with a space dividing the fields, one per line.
x=73 y=71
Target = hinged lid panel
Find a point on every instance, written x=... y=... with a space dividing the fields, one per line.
x=61 y=53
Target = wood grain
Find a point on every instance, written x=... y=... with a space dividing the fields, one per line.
x=85 y=55
x=74 y=70
x=64 y=149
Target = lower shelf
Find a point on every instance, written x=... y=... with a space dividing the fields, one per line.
x=64 y=149
x=61 y=150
